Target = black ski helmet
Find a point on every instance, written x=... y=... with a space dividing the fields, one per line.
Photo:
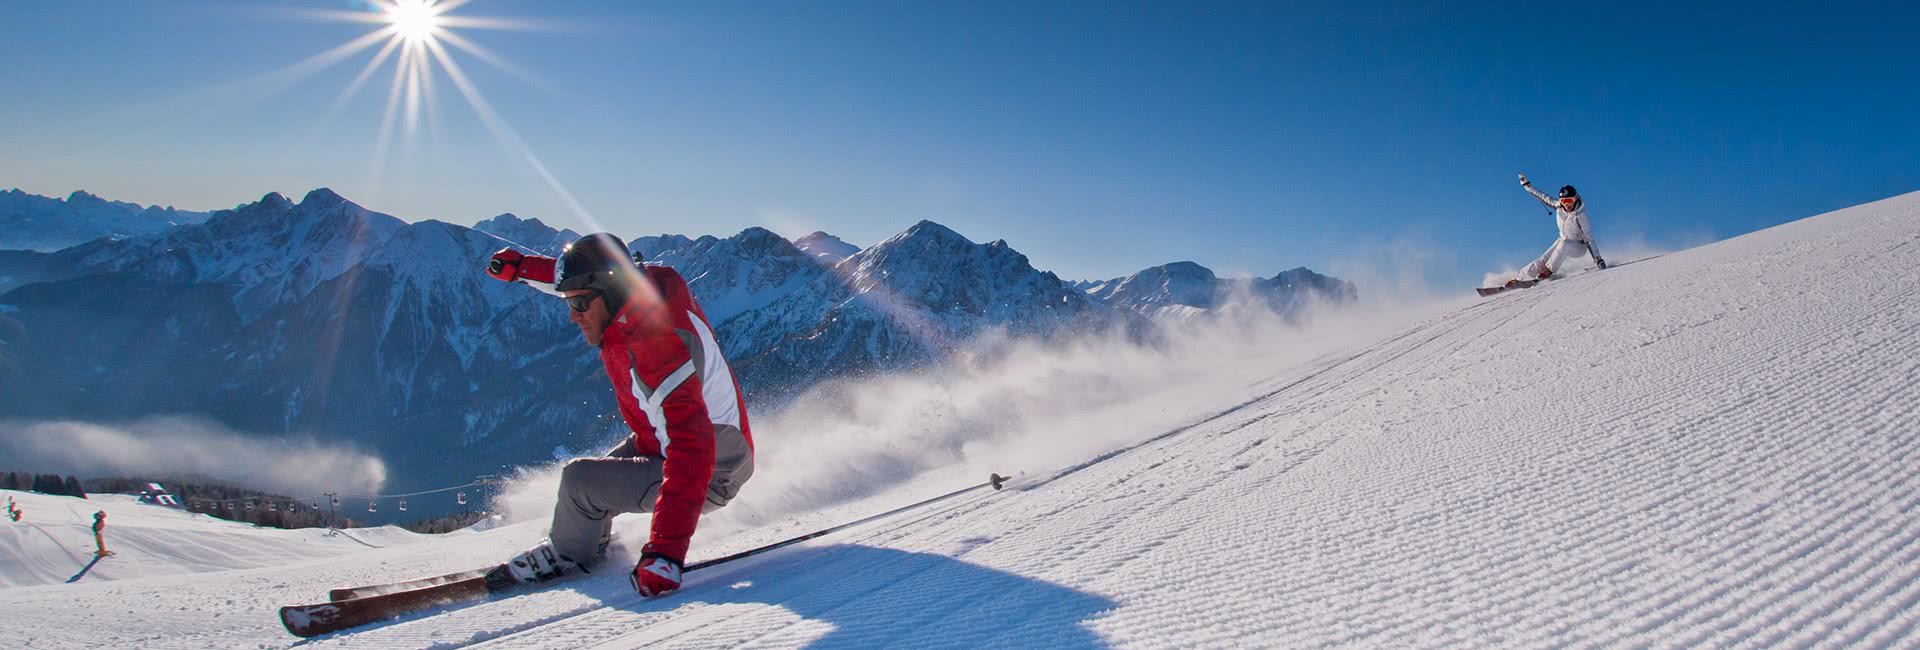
x=600 y=262
x=1567 y=192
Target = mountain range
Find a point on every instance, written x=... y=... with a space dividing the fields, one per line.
x=322 y=317
x=32 y=222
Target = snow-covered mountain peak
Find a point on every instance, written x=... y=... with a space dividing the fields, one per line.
x=321 y=198
x=928 y=231
x=270 y=251
x=1303 y=281
x=1189 y=269
x=532 y=234
x=740 y=273
x=1154 y=289
x=1187 y=288
x=271 y=201
x=758 y=238
x=508 y=219
x=81 y=197
x=321 y=213
x=825 y=248
x=932 y=267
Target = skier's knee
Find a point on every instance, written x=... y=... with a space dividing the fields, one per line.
x=575 y=471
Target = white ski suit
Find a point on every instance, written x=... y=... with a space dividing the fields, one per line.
x=1576 y=236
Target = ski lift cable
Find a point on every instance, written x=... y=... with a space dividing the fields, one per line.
x=415 y=494
x=350 y=496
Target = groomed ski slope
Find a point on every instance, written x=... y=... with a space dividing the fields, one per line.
x=1714 y=447
x=53 y=542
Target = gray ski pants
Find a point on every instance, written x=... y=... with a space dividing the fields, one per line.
x=1561 y=251
x=593 y=490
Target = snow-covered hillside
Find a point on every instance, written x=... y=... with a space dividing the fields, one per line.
x=1713 y=447
x=53 y=542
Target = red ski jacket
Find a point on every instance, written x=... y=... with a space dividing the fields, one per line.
x=679 y=396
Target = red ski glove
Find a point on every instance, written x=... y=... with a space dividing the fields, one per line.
x=505 y=265
x=656 y=575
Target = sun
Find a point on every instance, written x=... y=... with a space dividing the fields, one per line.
x=414 y=20
x=420 y=37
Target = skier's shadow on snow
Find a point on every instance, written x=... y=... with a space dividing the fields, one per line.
x=879 y=597
x=83 y=570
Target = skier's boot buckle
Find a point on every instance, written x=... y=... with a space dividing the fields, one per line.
x=538 y=564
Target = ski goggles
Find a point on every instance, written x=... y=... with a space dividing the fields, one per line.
x=1569 y=200
x=581 y=302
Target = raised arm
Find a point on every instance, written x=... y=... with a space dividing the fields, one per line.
x=1537 y=194
x=535 y=271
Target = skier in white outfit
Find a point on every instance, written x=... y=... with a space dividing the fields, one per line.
x=1576 y=236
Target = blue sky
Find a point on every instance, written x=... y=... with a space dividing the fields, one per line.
x=1098 y=138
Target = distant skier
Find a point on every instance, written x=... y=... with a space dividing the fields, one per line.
x=1576 y=235
x=691 y=448
x=99 y=537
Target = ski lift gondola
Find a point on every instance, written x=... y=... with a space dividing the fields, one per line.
x=460 y=498
x=403 y=505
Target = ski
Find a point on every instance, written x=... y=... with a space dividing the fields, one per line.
x=349 y=593
x=1516 y=284
x=356 y=606
x=337 y=615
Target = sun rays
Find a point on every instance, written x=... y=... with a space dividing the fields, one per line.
x=419 y=39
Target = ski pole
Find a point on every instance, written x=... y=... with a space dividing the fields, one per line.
x=995 y=480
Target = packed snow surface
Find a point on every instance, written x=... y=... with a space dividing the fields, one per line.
x=53 y=541
x=1714 y=447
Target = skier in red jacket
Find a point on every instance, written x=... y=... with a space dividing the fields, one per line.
x=690 y=450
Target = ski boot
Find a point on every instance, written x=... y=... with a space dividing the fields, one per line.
x=540 y=564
